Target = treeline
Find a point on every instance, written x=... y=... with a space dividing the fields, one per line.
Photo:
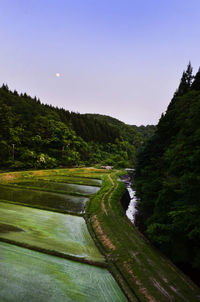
x=129 y=133
x=34 y=135
x=146 y=131
x=167 y=177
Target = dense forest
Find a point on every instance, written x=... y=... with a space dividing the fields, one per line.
x=35 y=135
x=146 y=131
x=167 y=178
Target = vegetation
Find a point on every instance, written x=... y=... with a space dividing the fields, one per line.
x=59 y=187
x=168 y=178
x=58 y=234
x=146 y=131
x=43 y=200
x=132 y=134
x=51 y=233
x=65 y=235
x=34 y=135
x=32 y=276
x=142 y=272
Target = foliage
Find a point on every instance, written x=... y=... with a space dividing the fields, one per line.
x=34 y=135
x=143 y=273
x=168 y=178
x=146 y=131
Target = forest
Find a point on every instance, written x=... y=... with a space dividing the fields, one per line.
x=167 y=179
x=36 y=135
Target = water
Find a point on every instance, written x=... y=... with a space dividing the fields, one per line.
x=128 y=180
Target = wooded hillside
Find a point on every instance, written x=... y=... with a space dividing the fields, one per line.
x=168 y=177
x=34 y=135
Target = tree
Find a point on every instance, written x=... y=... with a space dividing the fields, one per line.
x=185 y=82
x=167 y=178
x=196 y=83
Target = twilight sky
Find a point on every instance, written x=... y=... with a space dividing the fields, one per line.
x=122 y=58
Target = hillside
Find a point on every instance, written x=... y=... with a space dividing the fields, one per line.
x=146 y=131
x=34 y=135
x=168 y=181
x=133 y=136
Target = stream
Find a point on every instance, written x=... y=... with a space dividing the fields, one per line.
x=129 y=202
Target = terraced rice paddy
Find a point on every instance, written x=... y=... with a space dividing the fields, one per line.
x=65 y=234
x=27 y=275
x=44 y=200
x=39 y=271
x=71 y=180
x=59 y=187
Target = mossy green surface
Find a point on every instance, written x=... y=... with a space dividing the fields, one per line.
x=72 y=180
x=65 y=188
x=143 y=272
x=47 y=230
x=44 y=200
x=83 y=176
x=29 y=276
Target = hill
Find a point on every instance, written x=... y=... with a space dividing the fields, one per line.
x=146 y=131
x=35 y=135
x=168 y=178
x=130 y=133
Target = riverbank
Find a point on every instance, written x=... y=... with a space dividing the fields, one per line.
x=142 y=272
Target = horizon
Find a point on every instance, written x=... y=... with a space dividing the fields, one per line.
x=116 y=58
x=93 y=113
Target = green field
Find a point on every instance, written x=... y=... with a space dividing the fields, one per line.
x=44 y=200
x=65 y=234
x=29 y=276
x=72 y=180
x=59 y=187
x=83 y=176
x=142 y=272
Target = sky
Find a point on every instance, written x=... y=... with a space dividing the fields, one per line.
x=122 y=58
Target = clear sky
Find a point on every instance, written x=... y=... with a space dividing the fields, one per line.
x=122 y=58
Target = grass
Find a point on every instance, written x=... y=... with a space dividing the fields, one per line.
x=70 y=180
x=27 y=275
x=143 y=273
x=85 y=176
x=58 y=187
x=51 y=189
x=43 y=200
x=65 y=235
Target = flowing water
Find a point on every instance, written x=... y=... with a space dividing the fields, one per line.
x=131 y=209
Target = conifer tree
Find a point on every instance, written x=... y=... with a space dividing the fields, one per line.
x=196 y=83
x=186 y=81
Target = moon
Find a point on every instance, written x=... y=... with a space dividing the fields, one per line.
x=57 y=74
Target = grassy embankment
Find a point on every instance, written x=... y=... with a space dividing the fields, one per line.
x=143 y=273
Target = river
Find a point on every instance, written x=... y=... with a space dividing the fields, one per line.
x=130 y=206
